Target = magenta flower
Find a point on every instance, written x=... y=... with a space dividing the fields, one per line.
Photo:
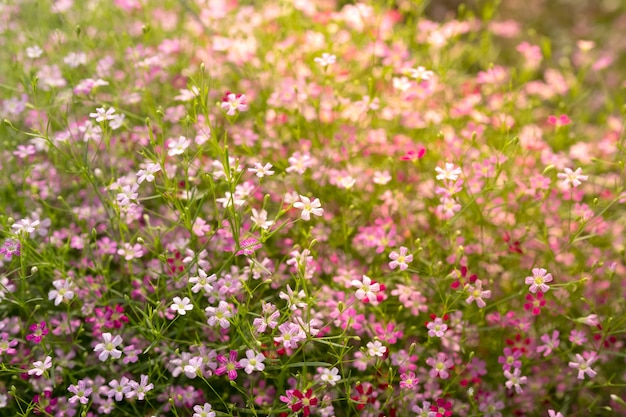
x=583 y=364
x=39 y=330
x=228 y=365
x=440 y=365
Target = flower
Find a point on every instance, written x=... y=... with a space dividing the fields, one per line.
x=261 y=170
x=538 y=280
x=309 y=207
x=366 y=289
x=535 y=302
x=420 y=73
x=441 y=408
x=233 y=103
x=436 y=328
x=304 y=402
x=10 y=248
x=440 y=366
x=400 y=260
x=202 y=282
x=103 y=114
x=326 y=59
x=203 y=410
x=108 y=347
x=362 y=396
x=583 y=364
x=219 y=314
x=330 y=376
x=228 y=365
x=552 y=413
x=408 y=380
x=81 y=393
x=252 y=362
x=39 y=330
x=476 y=293
x=376 y=349
x=63 y=290
x=573 y=178
x=39 y=367
x=515 y=380
x=449 y=172
x=181 y=306
x=178 y=147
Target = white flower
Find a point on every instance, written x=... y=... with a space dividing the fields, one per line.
x=450 y=172
x=330 y=376
x=309 y=207
x=202 y=282
x=63 y=290
x=261 y=170
x=366 y=289
x=103 y=114
x=253 y=361
x=181 y=306
x=420 y=73
x=573 y=178
x=108 y=347
x=326 y=59
x=376 y=349
x=147 y=174
x=178 y=147
x=39 y=367
x=260 y=219
x=34 y=52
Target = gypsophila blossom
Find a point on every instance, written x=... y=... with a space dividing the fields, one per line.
x=38 y=331
x=10 y=248
x=63 y=291
x=538 y=280
x=552 y=413
x=436 y=328
x=449 y=172
x=228 y=365
x=202 y=282
x=420 y=73
x=376 y=348
x=583 y=364
x=233 y=103
x=440 y=365
x=259 y=218
x=203 y=410
x=178 y=146
x=81 y=392
x=329 y=376
x=108 y=347
x=140 y=389
x=309 y=207
x=103 y=114
x=261 y=170
x=326 y=59
x=181 y=306
x=400 y=259
x=252 y=362
x=408 y=380
x=294 y=300
x=219 y=315
x=366 y=289
x=572 y=178
x=147 y=174
x=515 y=380
x=39 y=367
x=477 y=294
x=550 y=343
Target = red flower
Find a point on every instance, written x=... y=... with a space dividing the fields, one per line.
x=535 y=302
x=442 y=408
x=304 y=402
x=413 y=155
x=362 y=396
x=462 y=278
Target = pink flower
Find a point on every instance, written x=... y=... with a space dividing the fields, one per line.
x=573 y=178
x=440 y=365
x=234 y=103
x=228 y=365
x=408 y=380
x=561 y=120
x=400 y=260
x=436 y=328
x=515 y=380
x=583 y=364
x=538 y=280
x=39 y=330
x=476 y=293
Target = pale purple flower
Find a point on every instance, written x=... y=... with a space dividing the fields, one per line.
x=515 y=380
x=219 y=315
x=583 y=364
x=81 y=393
x=572 y=178
x=440 y=365
x=252 y=362
x=108 y=347
x=400 y=259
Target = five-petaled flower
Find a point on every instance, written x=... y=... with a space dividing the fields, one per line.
x=572 y=178
x=583 y=364
x=304 y=401
x=233 y=103
x=309 y=207
x=181 y=306
x=538 y=281
x=366 y=289
x=228 y=365
x=515 y=380
x=108 y=347
x=400 y=259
